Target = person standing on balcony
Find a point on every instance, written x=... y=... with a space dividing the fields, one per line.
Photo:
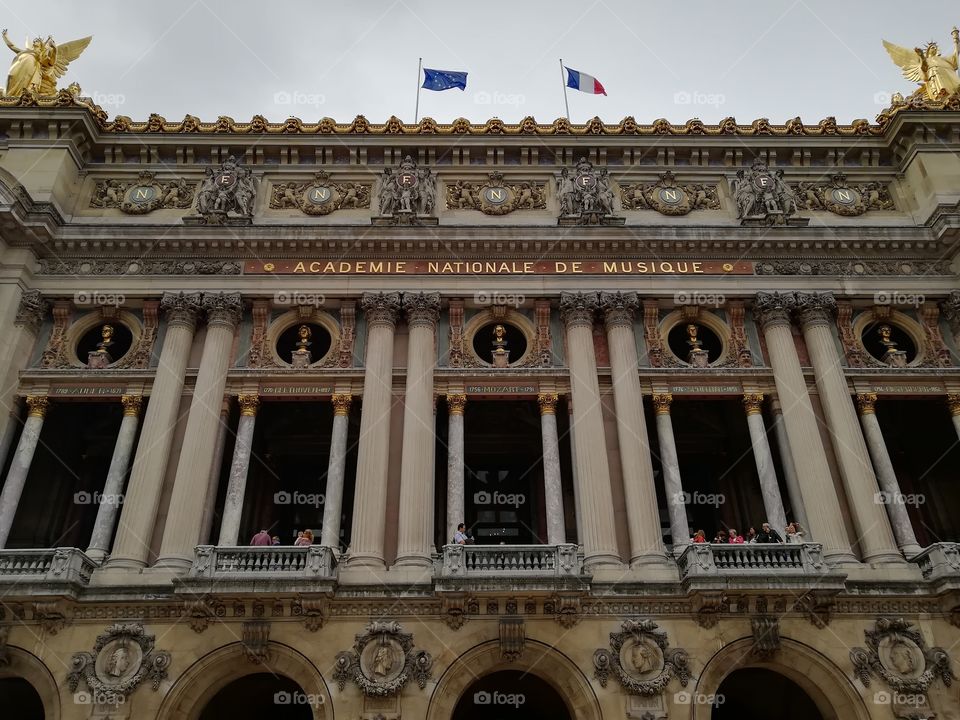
x=261 y=538
x=699 y=537
x=460 y=536
x=734 y=538
x=768 y=535
x=304 y=539
x=794 y=533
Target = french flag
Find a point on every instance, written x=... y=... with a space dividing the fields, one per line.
x=583 y=82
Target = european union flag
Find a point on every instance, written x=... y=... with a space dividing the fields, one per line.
x=443 y=79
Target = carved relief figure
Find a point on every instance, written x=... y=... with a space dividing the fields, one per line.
x=119 y=662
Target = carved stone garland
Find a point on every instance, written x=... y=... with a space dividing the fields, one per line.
x=122 y=658
x=641 y=659
x=382 y=661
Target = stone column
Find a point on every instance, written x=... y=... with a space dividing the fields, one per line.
x=789 y=469
x=10 y=424
x=185 y=512
x=415 y=530
x=870 y=521
x=953 y=402
x=110 y=499
x=213 y=484
x=14 y=356
x=891 y=495
x=772 y=503
x=552 y=487
x=816 y=485
x=455 y=449
x=592 y=473
x=670 y=468
x=142 y=499
x=370 y=503
x=336 y=467
x=639 y=488
x=239 y=467
x=20 y=467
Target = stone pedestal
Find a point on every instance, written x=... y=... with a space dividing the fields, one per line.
x=333 y=493
x=895 y=358
x=97 y=360
x=301 y=359
x=20 y=466
x=769 y=488
x=501 y=359
x=670 y=467
x=455 y=486
x=552 y=487
x=239 y=467
x=698 y=358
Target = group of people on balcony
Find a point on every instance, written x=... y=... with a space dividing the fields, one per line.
x=793 y=532
x=263 y=538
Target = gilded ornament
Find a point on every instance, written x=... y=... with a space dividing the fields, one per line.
x=36 y=68
x=936 y=73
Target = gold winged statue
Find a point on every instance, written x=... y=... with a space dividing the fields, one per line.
x=37 y=67
x=936 y=73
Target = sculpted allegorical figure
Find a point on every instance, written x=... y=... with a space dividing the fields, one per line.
x=936 y=73
x=37 y=67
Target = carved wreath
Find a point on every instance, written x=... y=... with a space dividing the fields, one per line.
x=376 y=681
x=152 y=665
x=660 y=663
x=917 y=667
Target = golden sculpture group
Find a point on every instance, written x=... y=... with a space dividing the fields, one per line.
x=936 y=73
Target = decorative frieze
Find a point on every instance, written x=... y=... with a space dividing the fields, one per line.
x=143 y=195
x=854 y=267
x=320 y=196
x=139 y=267
x=842 y=198
x=496 y=197
x=668 y=197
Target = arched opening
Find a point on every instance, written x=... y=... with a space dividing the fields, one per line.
x=511 y=694
x=17 y=693
x=752 y=693
x=262 y=695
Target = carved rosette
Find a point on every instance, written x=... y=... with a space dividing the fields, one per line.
x=815 y=308
x=578 y=309
x=381 y=308
x=123 y=657
x=640 y=657
x=223 y=308
x=897 y=654
x=422 y=309
x=341 y=404
x=181 y=308
x=618 y=308
x=772 y=309
x=31 y=310
x=383 y=660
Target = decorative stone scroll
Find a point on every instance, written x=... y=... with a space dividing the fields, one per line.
x=897 y=654
x=495 y=197
x=641 y=659
x=320 y=196
x=122 y=658
x=668 y=197
x=144 y=195
x=382 y=661
x=841 y=198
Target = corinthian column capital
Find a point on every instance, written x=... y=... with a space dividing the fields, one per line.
x=222 y=308
x=867 y=403
x=662 y=402
x=618 y=308
x=422 y=308
x=753 y=403
x=37 y=405
x=772 y=309
x=815 y=308
x=577 y=309
x=381 y=308
x=249 y=404
x=341 y=403
x=131 y=405
x=31 y=311
x=181 y=308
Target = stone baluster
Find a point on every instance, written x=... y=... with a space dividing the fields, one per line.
x=455 y=449
x=239 y=469
x=20 y=466
x=670 y=468
x=789 y=469
x=552 y=487
x=336 y=468
x=769 y=488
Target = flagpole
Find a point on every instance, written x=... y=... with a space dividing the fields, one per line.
x=416 y=112
x=563 y=81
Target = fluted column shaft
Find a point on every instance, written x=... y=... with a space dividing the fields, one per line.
x=891 y=496
x=455 y=449
x=769 y=488
x=639 y=488
x=131 y=545
x=336 y=467
x=185 y=512
x=592 y=469
x=552 y=486
x=370 y=495
x=110 y=500
x=789 y=469
x=860 y=483
x=20 y=466
x=213 y=483
x=239 y=468
x=415 y=529
x=670 y=468
x=813 y=471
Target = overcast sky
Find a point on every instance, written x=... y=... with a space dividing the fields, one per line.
x=678 y=60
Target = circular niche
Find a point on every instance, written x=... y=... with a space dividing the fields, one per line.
x=318 y=336
x=684 y=337
x=879 y=338
x=117 y=337
x=514 y=339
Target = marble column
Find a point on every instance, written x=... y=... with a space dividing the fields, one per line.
x=213 y=483
x=592 y=474
x=336 y=468
x=14 y=357
x=639 y=488
x=820 y=499
x=373 y=453
x=11 y=422
x=789 y=469
x=239 y=468
x=141 y=502
x=185 y=512
x=455 y=487
x=20 y=466
x=111 y=498
x=953 y=402
x=670 y=468
x=872 y=526
x=415 y=543
x=552 y=487
x=891 y=495
x=769 y=488
x=573 y=472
